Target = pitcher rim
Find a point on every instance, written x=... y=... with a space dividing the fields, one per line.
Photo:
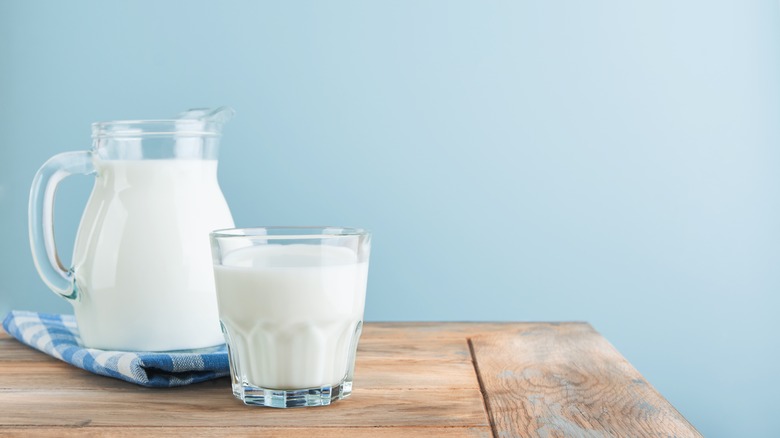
x=192 y=122
x=156 y=127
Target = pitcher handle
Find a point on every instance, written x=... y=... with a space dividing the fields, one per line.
x=41 y=218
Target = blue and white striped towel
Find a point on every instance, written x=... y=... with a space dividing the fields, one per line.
x=58 y=336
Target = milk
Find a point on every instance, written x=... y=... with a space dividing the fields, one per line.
x=291 y=313
x=144 y=251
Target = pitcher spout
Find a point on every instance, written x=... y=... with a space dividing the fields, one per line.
x=209 y=117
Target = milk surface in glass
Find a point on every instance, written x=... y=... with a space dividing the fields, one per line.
x=291 y=312
x=141 y=296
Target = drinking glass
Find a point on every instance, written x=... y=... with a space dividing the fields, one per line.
x=291 y=303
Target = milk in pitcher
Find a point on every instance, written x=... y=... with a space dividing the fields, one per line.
x=143 y=257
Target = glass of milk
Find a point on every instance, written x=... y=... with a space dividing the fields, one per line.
x=291 y=305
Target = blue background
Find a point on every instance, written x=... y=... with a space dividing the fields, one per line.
x=608 y=161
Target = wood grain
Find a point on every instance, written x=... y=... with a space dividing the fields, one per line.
x=568 y=381
x=216 y=407
x=424 y=379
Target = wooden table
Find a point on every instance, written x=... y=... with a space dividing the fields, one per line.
x=411 y=380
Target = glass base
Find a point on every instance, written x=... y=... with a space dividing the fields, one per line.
x=292 y=398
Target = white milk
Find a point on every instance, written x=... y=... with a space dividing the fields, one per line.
x=291 y=312
x=143 y=249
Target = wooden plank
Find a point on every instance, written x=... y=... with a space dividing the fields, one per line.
x=271 y=432
x=370 y=373
x=567 y=380
x=193 y=406
x=400 y=363
x=401 y=382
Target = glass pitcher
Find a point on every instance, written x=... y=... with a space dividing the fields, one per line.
x=141 y=278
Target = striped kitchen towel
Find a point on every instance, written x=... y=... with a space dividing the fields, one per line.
x=58 y=336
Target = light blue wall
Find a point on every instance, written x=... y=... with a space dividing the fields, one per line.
x=608 y=161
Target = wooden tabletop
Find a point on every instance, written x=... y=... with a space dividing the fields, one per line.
x=411 y=380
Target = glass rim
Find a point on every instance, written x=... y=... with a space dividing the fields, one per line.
x=289 y=232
